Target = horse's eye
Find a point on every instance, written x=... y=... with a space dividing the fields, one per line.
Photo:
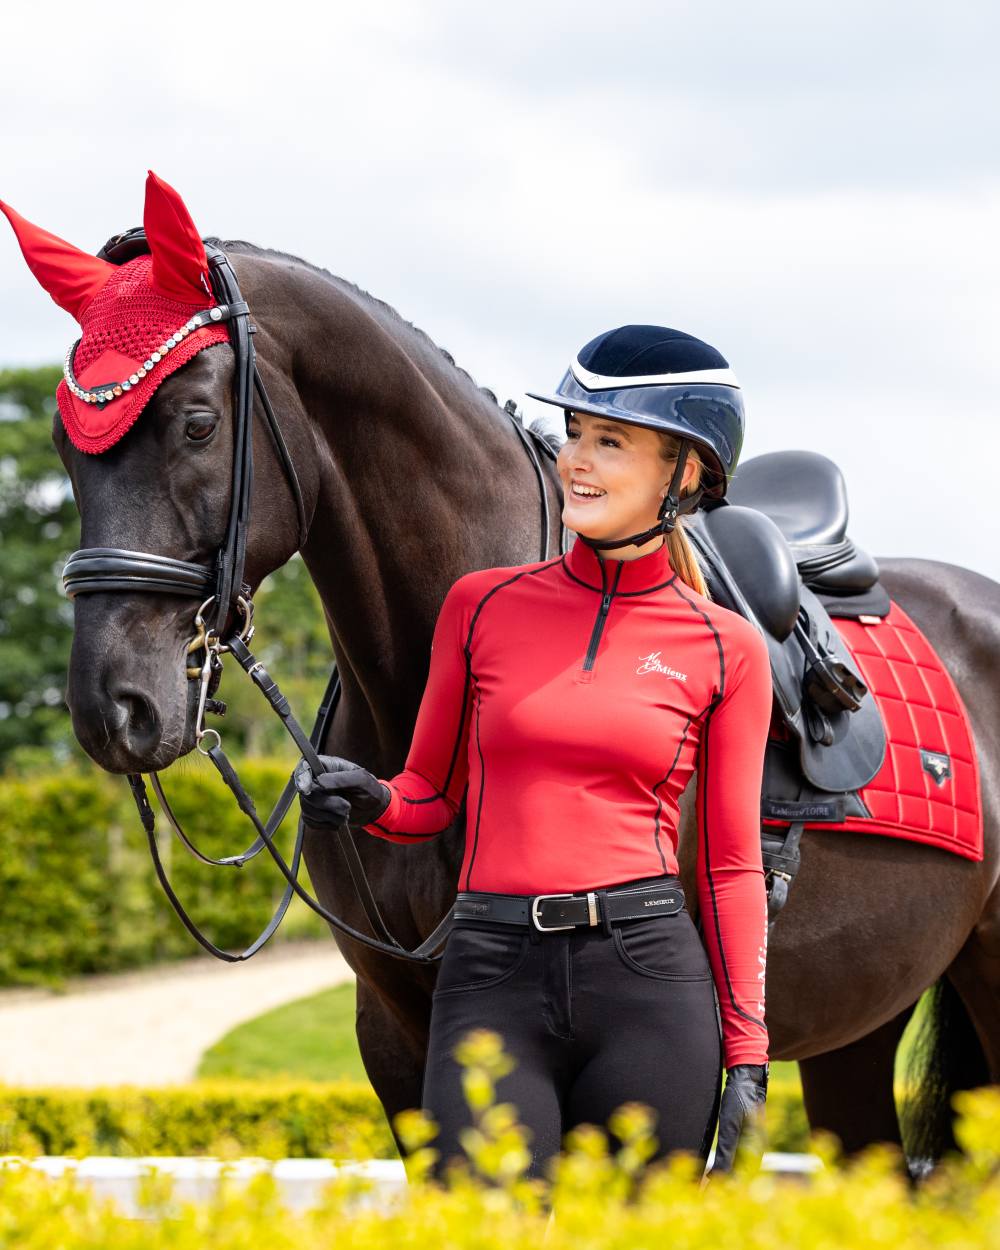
x=199 y=430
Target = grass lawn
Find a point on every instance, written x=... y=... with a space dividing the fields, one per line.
x=313 y=1038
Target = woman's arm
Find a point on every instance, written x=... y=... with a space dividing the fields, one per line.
x=425 y=796
x=731 y=893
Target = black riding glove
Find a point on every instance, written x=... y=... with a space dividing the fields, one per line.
x=343 y=792
x=742 y=1099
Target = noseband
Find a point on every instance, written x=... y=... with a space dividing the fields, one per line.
x=224 y=597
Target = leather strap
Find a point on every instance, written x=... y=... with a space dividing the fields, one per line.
x=100 y=569
x=232 y=556
x=552 y=912
x=529 y=447
x=781 y=857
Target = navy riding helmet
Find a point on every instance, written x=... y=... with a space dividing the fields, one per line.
x=664 y=380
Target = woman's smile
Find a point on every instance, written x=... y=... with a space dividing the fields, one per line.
x=586 y=492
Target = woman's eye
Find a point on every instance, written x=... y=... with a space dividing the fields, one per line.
x=573 y=435
x=199 y=430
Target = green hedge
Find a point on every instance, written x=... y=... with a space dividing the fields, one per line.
x=274 y=1119
x=77 y=889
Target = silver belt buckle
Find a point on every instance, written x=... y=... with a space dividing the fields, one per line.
x=552 y=928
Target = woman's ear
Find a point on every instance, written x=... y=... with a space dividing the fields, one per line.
x=687 y=482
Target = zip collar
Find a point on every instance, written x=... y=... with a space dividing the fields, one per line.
x=634 y=577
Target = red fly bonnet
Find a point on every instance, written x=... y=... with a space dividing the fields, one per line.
x=141 y=321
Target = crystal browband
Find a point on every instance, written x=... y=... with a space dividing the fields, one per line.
x=104 y=394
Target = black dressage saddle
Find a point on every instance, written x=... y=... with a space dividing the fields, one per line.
x=776 y=550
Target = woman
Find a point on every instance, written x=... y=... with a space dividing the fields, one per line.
x=574 y=698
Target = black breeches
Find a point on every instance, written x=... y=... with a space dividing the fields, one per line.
x=593 y=1020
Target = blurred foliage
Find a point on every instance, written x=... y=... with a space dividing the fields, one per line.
x=39 y=527
x=277 y=1118
x=596 y=1197
x=77 y=889
x=271 y=1120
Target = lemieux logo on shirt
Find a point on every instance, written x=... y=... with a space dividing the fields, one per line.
x=653 y=664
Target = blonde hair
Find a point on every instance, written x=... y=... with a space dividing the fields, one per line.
x=682 y=554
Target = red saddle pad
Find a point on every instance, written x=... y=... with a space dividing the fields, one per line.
x=927 y=789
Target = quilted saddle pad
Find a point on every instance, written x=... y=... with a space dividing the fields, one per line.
x=927 y=789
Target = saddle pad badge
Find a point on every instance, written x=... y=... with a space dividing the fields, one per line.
x=937 y=764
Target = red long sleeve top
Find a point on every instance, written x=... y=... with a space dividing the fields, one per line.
x=575 y=698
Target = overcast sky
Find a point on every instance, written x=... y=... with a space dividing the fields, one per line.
x=814 y=189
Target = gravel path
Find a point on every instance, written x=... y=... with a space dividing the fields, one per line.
x=152 y=1027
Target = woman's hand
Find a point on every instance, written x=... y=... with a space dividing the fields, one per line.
x=742 y=1099
x=343 y=792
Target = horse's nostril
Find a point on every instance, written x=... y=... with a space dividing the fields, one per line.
x=142 y=727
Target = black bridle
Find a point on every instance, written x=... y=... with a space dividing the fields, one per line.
x=220 y=587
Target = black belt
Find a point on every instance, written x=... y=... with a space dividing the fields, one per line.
x=551 y=912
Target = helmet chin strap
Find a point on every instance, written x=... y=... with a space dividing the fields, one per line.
x=671 y=507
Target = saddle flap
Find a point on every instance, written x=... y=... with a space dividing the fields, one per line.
x=857 y=749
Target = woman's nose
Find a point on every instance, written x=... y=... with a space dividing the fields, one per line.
x=579 y=457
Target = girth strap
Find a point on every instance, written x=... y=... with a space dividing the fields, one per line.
x=782 y=856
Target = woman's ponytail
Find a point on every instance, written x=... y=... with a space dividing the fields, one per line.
x=685 y=561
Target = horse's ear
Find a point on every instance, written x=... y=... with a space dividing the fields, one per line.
x=70 y=276
x=179 y=264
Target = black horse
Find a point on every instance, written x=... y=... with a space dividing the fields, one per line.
x=411 y=476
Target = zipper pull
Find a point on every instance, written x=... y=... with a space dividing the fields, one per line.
x=606 y=601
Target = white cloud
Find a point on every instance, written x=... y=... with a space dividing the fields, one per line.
x=814 y=191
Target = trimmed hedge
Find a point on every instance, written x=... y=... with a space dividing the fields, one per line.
x=271 y=1120
x=77 y=890
x=274 y=1119
x=597 y=1202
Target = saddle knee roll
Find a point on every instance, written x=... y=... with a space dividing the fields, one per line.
x=760 y=562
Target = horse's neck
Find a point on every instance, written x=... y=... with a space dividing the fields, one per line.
x=420 y=480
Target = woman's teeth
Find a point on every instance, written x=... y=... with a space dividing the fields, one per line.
x=587 y=492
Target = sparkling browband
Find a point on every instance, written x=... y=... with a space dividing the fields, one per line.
x=102 y=395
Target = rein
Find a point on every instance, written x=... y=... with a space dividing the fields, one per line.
x=221 y=589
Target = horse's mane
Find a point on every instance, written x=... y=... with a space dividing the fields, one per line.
x=537 y=427
x=241 y=245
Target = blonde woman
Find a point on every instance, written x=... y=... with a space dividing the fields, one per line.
x=573 y=700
